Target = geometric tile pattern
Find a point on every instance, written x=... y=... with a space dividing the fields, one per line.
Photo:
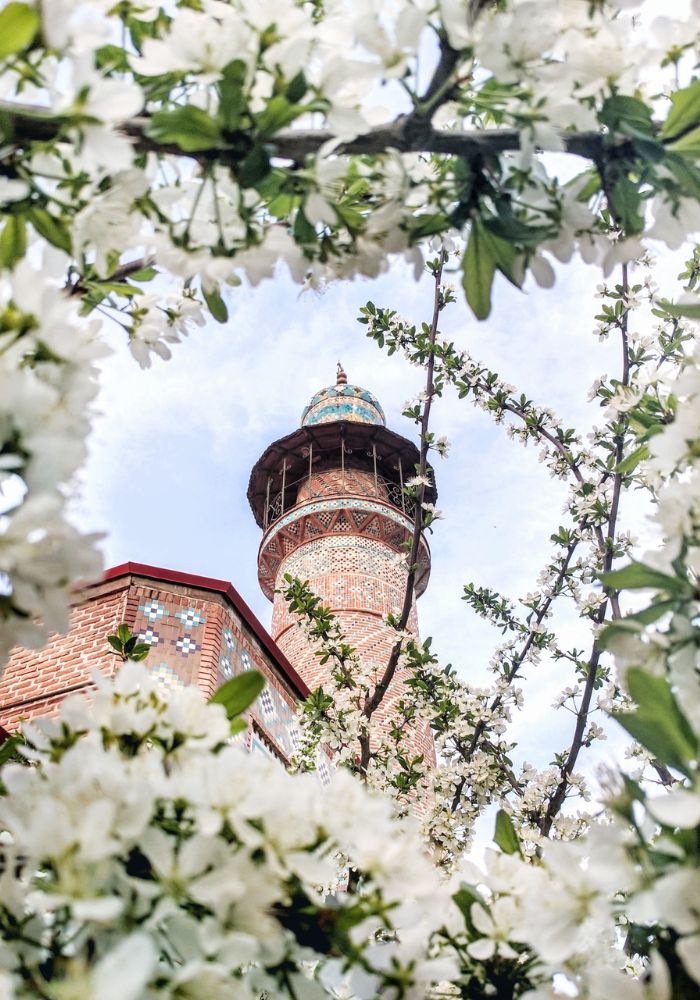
x=274 y=715
x=343 y=402
x=166 y=675
x=190 y=618
x=153 y=610
x=175 y=629
x=185 y=645
x=356 y=518
x=149 y=636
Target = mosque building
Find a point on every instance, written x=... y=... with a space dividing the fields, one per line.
x=330 y=500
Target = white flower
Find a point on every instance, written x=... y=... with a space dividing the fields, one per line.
x=496 y=924
x=678 y=807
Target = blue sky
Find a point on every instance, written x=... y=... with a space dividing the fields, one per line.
x=171 y=454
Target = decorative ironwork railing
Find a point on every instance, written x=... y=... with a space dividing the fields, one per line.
x=344 y=484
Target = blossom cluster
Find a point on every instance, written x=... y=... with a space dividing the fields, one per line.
x=142 y=854
x=170 y=150
x=48 y=381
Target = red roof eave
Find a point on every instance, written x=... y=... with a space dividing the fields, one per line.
x=231 y=594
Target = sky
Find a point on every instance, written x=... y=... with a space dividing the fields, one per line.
x=172 y=451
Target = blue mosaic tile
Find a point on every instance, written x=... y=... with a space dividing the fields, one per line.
x=228 y=639
x=185 y=645
x=246 y=661
x=190 y=618
x=226 y=668
x=150 y=636
x=324 y=772
x=265 y=700
x=153 y=610
x=166 y=675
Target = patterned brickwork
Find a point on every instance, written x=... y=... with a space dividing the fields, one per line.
x=354 y=518
x=362 y=579
x=196 y=637
x=347 y=573
x=338 y=482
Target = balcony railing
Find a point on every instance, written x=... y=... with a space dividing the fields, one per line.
x=345 y=484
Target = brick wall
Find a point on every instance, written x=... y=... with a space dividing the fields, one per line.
x=361 y=579
x=35 y=681
x=198 y=635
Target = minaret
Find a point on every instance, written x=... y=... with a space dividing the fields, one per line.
x=329 y=498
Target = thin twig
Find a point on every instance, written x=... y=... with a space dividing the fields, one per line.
x=377 y=696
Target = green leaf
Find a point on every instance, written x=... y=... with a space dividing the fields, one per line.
x=190 y=128
x=658 y=723
x=240 y=692
x=478 y=269
x=116 y=643
x=637 y=576
x=504 y=254
x=238 y=726
x=687 y=310
x=13 y=240
x=686 y=173
x=505 y=835
x=50 y=228
x=626 y=114
x=625 y=202
x=304 y=232
x=630 y=463
x=216 y=305
x=647 y=616
x=254 y=168
x=684 y=113
x=296 y=88
x=688 y=145
x=8 y=747
x=507 y=227
x=232 y=101
x=277 y=113
x=118 y=288
x=465 y=897
x=145 y=274
x=140 y=651
x=19 y=24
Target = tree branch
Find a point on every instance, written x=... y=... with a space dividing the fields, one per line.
x=408 y=133
x=375 y=699
x=557 y=799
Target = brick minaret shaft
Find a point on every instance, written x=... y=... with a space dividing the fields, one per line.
x=330 y=500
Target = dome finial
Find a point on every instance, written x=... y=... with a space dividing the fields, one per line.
x=341 y=378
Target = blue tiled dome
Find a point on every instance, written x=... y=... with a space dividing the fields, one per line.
x=343 y=402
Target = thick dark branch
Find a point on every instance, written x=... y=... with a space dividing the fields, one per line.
x=438 y=90
x=411 y=135
x=408 y=133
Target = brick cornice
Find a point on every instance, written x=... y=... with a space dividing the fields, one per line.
x=302 y=526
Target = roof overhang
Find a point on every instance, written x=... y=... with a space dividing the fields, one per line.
x=393 y=452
